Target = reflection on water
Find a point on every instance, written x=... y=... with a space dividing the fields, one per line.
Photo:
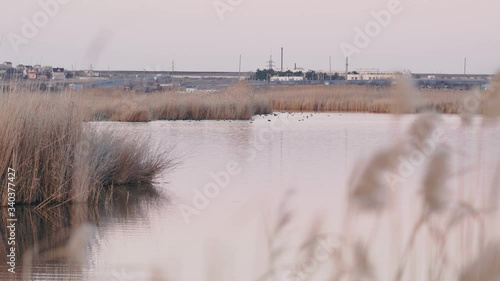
x=247 y=230
x=60 y=243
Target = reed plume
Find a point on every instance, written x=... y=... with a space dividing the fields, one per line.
x=435 y=191
x=370 y=189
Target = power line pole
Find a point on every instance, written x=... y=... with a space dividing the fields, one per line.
x=465 y=66
x=1 y=41
x=270 y=68
x=346 y=67
x=330 y=68
x=239 y=70
x=172 y=73
x=270 y=62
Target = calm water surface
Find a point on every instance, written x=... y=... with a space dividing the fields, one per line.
x=210 y=218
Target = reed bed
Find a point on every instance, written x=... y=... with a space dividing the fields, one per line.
x=238 y=102
x=241 y=102
x=353 y=98
x=60 y=159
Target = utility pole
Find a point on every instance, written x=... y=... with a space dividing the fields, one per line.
x=91 y=72
x=465 y=66
x=172 y=73
x=239 y=70
x=1 y=41
x=330 y=68
x=346 y=67
x=270 y=63
x=270 y=68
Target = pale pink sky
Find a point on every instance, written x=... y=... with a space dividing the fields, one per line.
x=427 y=36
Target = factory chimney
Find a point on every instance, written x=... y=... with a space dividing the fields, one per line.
x=346 y=67
x=281 y=58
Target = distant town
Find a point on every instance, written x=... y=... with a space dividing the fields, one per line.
x=38 y=77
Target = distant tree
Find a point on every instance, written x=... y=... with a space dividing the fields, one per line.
x=311 y=75
x=10 y=73
x=261 y=75
x=337 y=76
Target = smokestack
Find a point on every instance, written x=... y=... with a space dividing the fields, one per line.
x=281 y=58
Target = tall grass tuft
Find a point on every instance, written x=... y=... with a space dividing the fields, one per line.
x=110 y=159
x=58 y=158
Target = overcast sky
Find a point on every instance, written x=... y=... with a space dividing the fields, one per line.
x=426 y=36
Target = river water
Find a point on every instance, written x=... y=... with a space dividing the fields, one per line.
x=247 y=194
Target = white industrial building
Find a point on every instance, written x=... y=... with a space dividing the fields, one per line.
x=374 y=75
x=287 y=78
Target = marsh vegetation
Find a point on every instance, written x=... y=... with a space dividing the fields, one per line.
x=445 y=229
x=59 y=158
